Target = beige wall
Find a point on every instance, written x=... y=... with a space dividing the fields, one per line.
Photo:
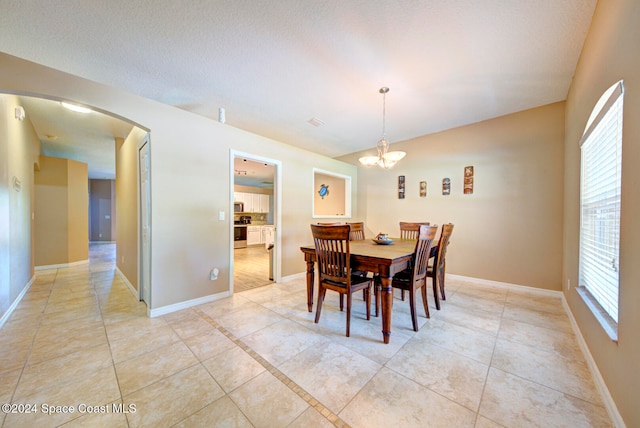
x=510 y=228
x=19 y=150
x=611 y=53
x=190 y=182
x=51 y=236
x=78 y=210
x=127 y=204
x=61 y=212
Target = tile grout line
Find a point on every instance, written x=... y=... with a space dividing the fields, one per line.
x=289 y=383
x=490 y=365
x=106 y=334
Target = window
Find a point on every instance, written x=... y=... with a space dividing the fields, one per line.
x=601 y=155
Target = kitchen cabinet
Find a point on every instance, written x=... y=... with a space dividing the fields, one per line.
x=254 y=235
x=253 y=202
x=264 y=203
x=268 y=235
x=240 y=197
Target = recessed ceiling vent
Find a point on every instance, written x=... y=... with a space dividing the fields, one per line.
x=315 y=122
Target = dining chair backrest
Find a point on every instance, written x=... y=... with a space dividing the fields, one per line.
x=411 y=230
x=443 y=243
x=426 y=236
x=332 y=252
x=357 y=231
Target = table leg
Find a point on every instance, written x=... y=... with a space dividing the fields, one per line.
x=387 y=308
x=310 y=273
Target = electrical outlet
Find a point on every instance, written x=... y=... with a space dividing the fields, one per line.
x=214 y=274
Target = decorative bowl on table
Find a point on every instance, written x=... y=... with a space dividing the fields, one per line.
x=382 y=239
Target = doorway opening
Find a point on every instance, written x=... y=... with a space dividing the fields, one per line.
x=103 y=145
x=255 y=198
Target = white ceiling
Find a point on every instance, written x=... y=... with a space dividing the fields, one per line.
x=274 y=65
x=84 y=137
x=248 y=172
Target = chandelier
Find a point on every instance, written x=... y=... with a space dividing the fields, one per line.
x=385 y=158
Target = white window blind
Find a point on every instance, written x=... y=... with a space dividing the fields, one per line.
x=600 y=203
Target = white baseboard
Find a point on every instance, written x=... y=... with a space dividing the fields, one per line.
x=187 y=304
x=15 y=303
x=607 y=400
x=62 y=265
x=504 y=284
x=128 y=283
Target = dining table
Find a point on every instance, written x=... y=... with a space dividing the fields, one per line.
x=384 y=260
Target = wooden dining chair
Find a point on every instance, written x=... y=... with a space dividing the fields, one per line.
x=357 y=234
x=334 y=268
x=415 y=277
x=411 y=230
x=357 y=231
x=437 y=270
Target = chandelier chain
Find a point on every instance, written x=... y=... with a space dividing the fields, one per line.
x=384 y=113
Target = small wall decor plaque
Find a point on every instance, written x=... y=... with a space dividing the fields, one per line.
x=401 y=187
x=468 y=180
x=446 y=186
x=423 y=189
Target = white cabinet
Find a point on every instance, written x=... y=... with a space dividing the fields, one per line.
x=240 y=197
x=253 y=202
x=264 y=203
x=254 y=235
x=246 y=199
x=268 y=235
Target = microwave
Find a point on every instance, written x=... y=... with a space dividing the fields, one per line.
x=238 y=207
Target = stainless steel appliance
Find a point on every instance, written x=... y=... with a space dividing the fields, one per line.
x=240 y=231
x=238 y=207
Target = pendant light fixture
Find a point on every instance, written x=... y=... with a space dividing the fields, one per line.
x=385 y=158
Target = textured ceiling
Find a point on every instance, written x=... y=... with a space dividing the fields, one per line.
x=273 y=65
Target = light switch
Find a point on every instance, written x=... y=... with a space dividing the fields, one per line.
x=221 y=215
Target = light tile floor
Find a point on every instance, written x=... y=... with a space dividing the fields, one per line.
x=491 y=357
x=250 y=268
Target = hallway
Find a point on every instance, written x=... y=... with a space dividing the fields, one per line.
x=492 y=357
